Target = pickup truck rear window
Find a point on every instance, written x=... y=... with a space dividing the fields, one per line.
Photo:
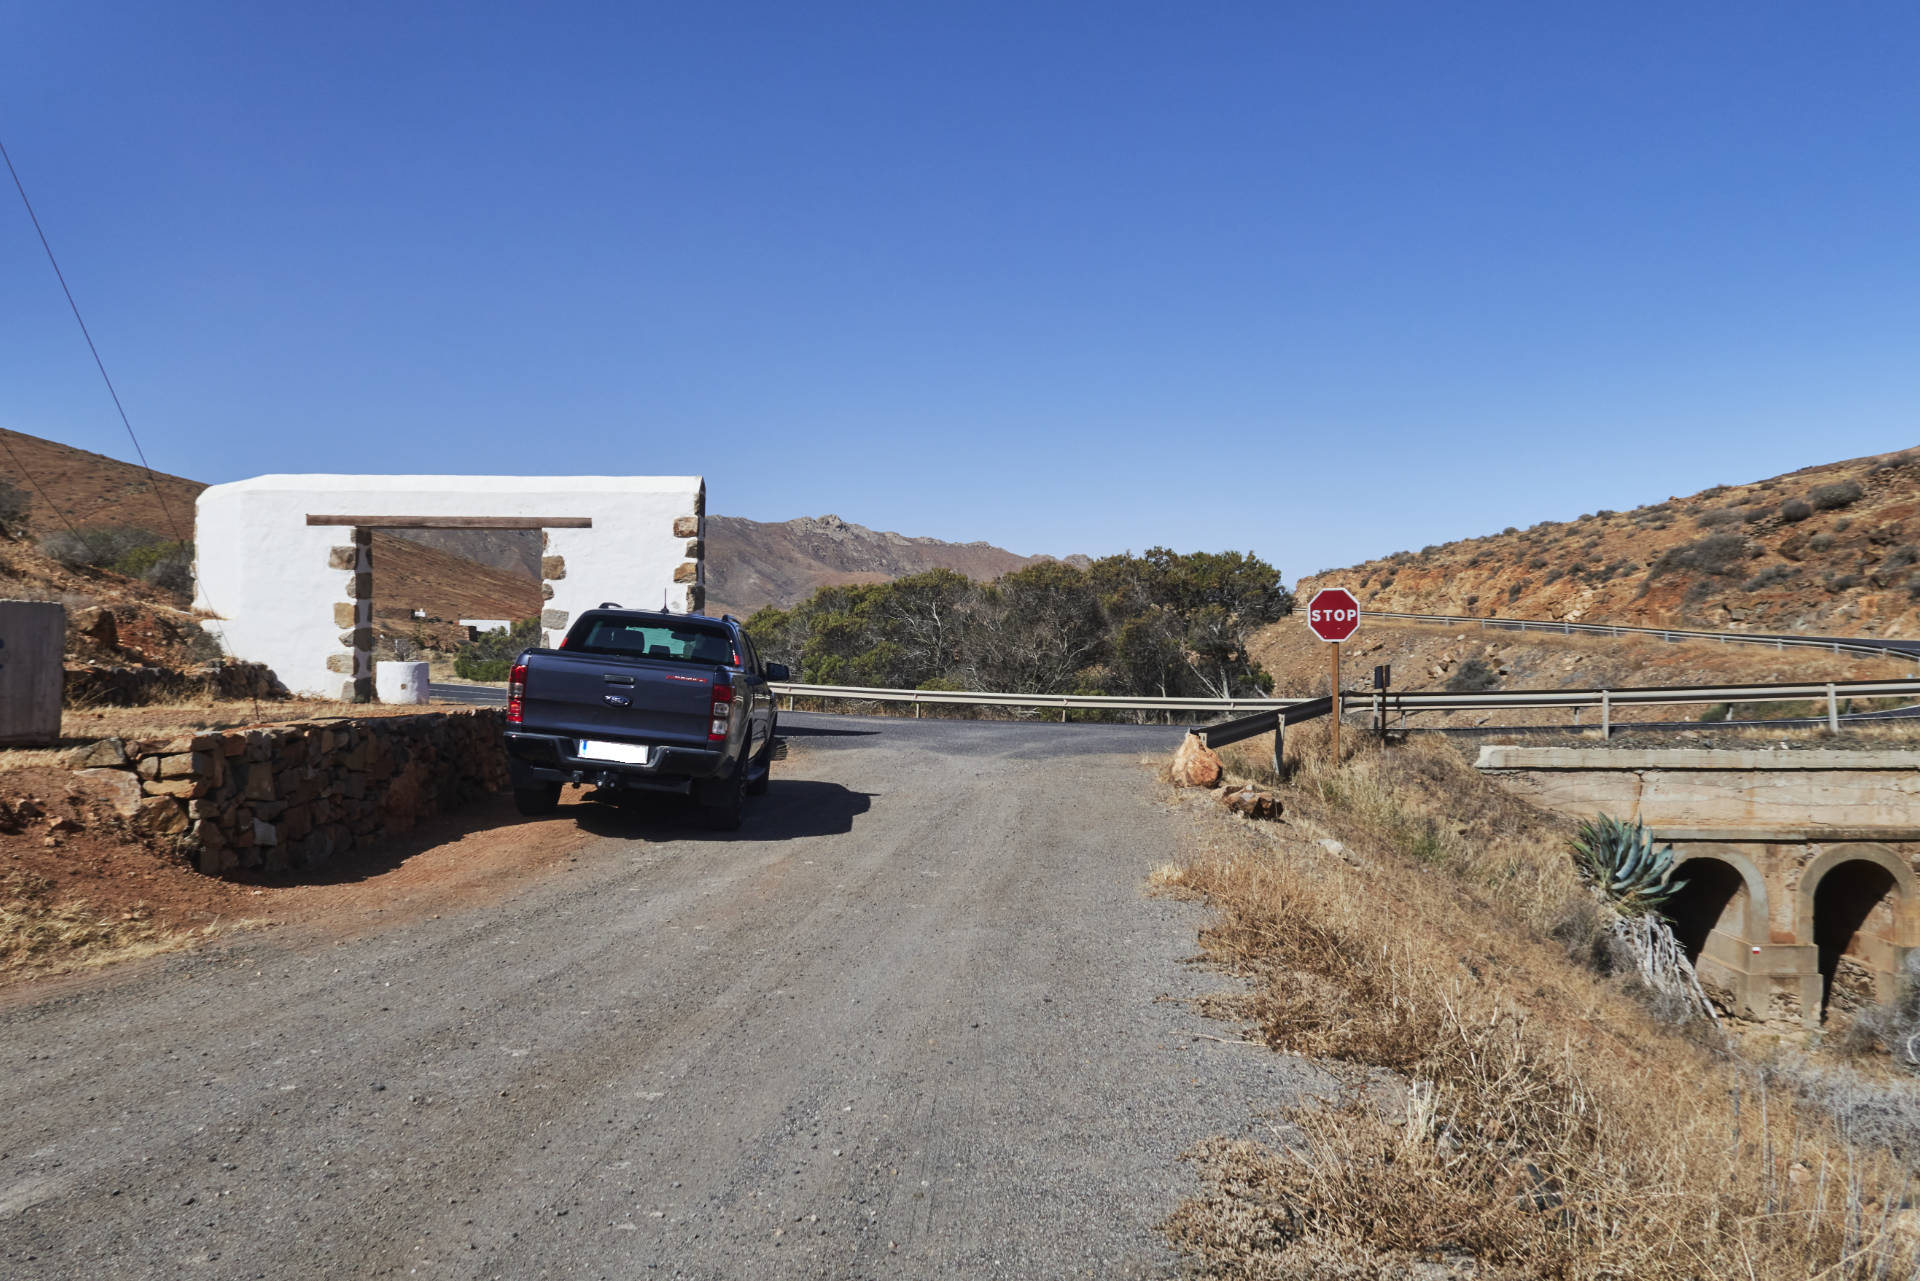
x=654 y=640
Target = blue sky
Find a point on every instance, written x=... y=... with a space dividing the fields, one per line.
x=1319 y=281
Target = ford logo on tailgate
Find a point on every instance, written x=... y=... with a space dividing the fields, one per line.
x=617 y=700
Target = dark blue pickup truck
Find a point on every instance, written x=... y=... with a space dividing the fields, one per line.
x=644 y=701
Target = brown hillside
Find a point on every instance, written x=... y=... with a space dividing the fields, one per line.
x=753 y=563
x=1829 y=549
x=408 y=575
x=94 y=490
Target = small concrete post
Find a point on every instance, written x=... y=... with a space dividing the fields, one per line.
x=1606 y=715
x=1833 y=710
x=1279 y=742
x=33 y=639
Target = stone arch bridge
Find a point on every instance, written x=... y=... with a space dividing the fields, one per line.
x=1802 y=866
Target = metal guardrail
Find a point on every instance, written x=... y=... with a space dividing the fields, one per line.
x=1836 y=645
x=1102 y=702
x=1382 y=704
x=1376 y=703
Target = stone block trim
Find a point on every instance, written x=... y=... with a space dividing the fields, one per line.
x=686 y=527
x=553 y=618
x=291 y=797
x=687 y=572
x=344 y=613
x=696 y=599
x=343 y=558
x=696 y=549
x=553 y=567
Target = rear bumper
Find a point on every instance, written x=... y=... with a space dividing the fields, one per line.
x=551 y=758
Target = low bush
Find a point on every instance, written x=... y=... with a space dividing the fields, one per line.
x=1755 y=515
x=1473 y=676
x=1842 y=582
x=14 y=506
x=1771 y=576
x=1821 y=542
x=1839 y=494
x=1795 y=510
x=1714 y=554
x=1718 y=516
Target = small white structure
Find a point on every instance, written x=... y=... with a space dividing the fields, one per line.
x=401 y=682
x=33 y=641
x=284 y=564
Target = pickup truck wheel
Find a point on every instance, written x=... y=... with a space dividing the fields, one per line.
x=538 y=800
x=726 y=804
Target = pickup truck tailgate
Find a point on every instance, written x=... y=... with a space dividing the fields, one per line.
x=584 y=696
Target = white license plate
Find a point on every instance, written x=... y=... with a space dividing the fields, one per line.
x=625 y=753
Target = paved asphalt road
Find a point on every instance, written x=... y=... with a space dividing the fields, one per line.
x=909 y=1022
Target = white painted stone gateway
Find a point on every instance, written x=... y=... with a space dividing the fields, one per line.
x=284 y=563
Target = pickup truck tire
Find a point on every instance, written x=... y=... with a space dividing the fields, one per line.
x=537 y=801
x=723 y=802
x=763 y=771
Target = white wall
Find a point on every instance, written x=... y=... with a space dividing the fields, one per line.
x=262 y=571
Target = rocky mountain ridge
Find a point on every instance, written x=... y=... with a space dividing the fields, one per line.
x=1833 y=548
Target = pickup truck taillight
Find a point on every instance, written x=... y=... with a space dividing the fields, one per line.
x=722 y=713
x=516 y=693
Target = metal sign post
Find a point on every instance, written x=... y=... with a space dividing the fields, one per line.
x=1333 y=615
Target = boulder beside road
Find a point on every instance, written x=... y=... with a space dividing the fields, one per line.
x=1195 y=764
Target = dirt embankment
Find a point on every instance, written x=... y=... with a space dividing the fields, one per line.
x=1513 y=1111
x=83 y=883
x=1833 y=549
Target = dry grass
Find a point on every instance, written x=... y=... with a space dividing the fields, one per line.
x=40 y=935
x=1551 y=1126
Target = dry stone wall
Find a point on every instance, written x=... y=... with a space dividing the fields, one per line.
x=289 y=797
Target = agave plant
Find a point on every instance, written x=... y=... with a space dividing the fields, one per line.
x=1619 y=859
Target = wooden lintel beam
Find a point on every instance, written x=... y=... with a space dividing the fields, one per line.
x=457 y=522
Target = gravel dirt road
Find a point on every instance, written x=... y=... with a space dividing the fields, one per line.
x=917 y=1019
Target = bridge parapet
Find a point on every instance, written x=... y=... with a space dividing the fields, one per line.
x=1802 y=866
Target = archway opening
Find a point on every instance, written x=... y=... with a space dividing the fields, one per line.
x=1853 y=903
x=1714 y=897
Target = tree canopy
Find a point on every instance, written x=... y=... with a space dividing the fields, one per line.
x=1161 y=624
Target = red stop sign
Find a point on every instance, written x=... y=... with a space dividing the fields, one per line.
x=1333 y=613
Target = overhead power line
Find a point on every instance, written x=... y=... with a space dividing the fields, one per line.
x=152 y=480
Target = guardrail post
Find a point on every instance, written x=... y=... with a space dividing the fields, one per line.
x=1833 y=710
x=1279 y=743
x=1606 y=715
x=916 y=707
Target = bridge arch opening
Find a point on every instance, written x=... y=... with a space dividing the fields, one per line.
x=1713 y=900
x=1856 y=908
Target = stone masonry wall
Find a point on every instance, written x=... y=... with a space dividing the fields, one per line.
x=289 y=797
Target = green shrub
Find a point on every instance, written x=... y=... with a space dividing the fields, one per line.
x=482 y=669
